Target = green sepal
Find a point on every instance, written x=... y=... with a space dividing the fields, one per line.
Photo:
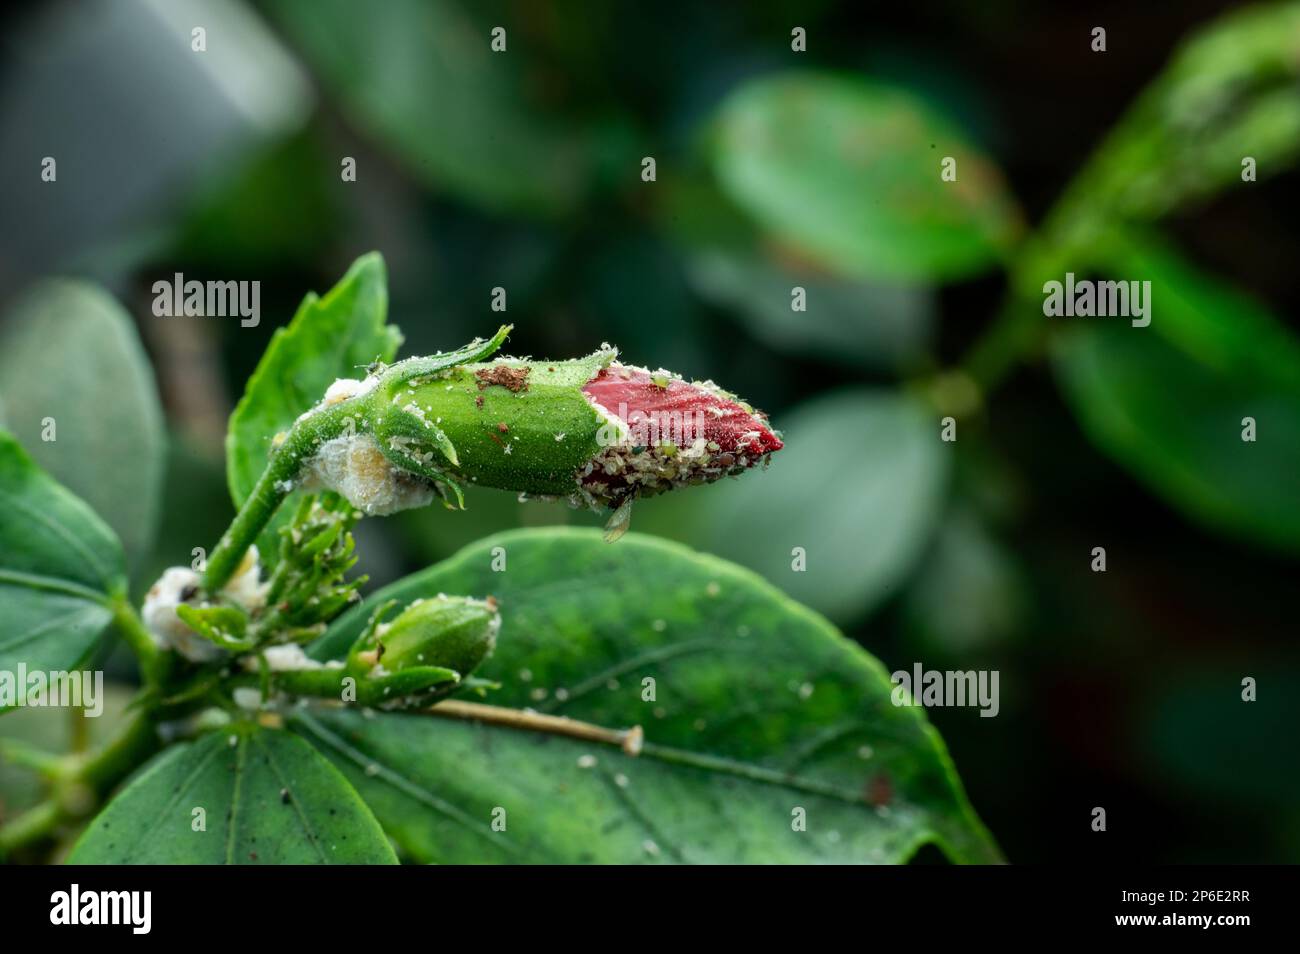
x=534 y=437
x=223 y=626
x=414 y=686
x=410 y=369
x=366 y=641
x=457 y=632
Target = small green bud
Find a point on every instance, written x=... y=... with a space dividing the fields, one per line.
x=451 y=632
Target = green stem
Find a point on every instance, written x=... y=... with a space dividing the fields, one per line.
x=32 y=825
x=317 y=683
x=328 y=683
x=153 y=661
x=18 y=752
x=1009 y=340
x=1019 y=330
x=99 y=773
x=276 y=482
x=120 y=757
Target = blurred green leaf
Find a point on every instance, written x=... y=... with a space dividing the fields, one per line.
x=1231 y=91
x=1167 y=401
x=853 y=322
x=848 y=171
x=968 y=595
x=72 y=355
x=859 y=487
x=421 y=77
x=59 y=567
x=759 y=707
x=279 y=205
x=267 y=798
x=331 y=337
x=196 y=510
x=1195 y=733
x=637 y=289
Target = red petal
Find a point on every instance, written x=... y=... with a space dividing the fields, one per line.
x=677 y=410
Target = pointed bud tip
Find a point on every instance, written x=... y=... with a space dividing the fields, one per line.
x=455 y=632
x=666 y=432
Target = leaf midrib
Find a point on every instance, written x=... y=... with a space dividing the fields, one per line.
x=313 y=838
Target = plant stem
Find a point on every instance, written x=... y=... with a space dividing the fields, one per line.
x=151 y=658
x=1010 y=338
x=99 y=773
x=30 y=826
x=119 y=758
x=1018 y=331
x=629 y=740
x=276 y=482
x=78 y=729
x=18 y=752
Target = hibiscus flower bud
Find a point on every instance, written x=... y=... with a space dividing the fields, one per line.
x=591 y=430
x=451 y=632
x=664 y=432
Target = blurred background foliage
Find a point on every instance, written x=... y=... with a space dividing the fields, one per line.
x=774 y=169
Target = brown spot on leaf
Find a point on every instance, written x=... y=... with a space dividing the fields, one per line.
x=880 y=790
x=503 y=427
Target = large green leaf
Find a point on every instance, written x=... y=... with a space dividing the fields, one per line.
x=760 y=708
x=72 y=356
x=421 y=77
x=328 y=338
x=874 y=465
x=60 y=565
x=855 y=322
x=968 y=595
x=1167 y=401
x=267 y=798
x=848 y=171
